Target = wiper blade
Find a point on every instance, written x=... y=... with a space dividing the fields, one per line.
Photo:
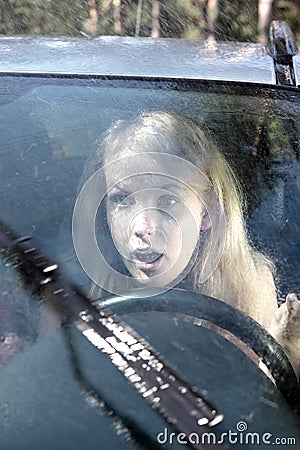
x=180 y=404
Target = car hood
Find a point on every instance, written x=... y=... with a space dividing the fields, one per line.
x=145 y=57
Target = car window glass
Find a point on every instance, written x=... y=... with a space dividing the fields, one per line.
x=48 y=132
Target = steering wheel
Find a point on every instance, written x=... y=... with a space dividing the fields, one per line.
x=225 y=316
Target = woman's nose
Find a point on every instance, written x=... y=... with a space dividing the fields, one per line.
x=143 y=226
x=146 y=232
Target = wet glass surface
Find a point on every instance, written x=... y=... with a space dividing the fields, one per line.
x=47 y=133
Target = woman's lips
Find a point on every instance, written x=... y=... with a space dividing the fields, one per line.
x=147 y=261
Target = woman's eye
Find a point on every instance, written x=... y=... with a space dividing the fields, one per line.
x=168 y=200
x=122 y=200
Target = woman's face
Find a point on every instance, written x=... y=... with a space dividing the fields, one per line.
x=155 y=222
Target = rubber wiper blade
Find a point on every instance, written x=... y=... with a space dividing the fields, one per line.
x=179 y=403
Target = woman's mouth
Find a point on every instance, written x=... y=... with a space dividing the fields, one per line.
x=146 y=261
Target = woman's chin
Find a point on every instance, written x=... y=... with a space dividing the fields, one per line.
x=159 y=280
x=147 y=277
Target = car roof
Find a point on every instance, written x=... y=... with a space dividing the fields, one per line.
x=143 y=57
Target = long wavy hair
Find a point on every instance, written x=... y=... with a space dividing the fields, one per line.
x=234 y=280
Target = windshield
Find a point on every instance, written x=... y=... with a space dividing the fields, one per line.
x=82 y=163
x=49 y=132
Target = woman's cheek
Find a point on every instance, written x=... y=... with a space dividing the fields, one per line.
x=119 y=229
x=173 y=239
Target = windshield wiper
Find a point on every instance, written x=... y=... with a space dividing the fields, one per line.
x=180 y=404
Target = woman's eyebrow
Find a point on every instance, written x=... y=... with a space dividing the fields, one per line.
x=173 y=186
x=169 y=187
x=118 y=189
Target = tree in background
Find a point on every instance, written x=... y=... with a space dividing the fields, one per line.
x=155 y=32
x=117 y=16
x=91 y=24
x=265 y=16
x=208 y=17
x=138 y=18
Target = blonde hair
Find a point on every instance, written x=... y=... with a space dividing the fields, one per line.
x=234 y=280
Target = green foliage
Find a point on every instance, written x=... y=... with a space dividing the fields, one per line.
x=64 y=17
x=42 y=16
x=237 y=20
x=16 y=16
x=180 y=18
x=290 y=12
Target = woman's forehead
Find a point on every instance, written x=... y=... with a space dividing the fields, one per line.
x=147 y=180
x=145 y=158
x=154 y=169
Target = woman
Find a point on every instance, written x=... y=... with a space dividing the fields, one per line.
x=172 y=215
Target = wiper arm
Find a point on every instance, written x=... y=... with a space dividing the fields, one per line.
x=179 y=403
